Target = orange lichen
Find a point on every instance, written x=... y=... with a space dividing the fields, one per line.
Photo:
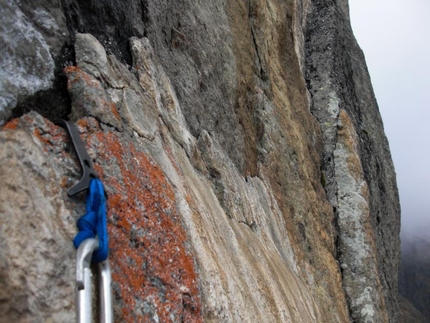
x=37 y=133
x=75 y=74
x=63 y=182
x=172 y=159
x=70 y=69
x=51 y=135
x=153 y=274
x=11 y=125
x=151 y=268
x=115 y=111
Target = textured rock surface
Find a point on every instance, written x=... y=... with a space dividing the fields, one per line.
x=152 y=269
x=243 y=154
x=337 y=79
x=25 y=58
x=32 y=231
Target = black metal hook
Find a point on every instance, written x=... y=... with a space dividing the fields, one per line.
x=88 y=171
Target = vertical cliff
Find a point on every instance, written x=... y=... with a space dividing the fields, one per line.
x=241 y=147
x=356 y=163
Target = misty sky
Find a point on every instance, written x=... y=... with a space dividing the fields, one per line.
x=395 y=38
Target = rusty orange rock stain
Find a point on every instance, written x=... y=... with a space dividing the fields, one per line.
x=151 y=269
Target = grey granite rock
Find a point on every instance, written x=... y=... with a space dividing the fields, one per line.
x=337 y=78
x=240 y=144
x=25 y=59
x=37 y=256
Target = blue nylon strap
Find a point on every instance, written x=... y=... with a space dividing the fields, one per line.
x=93 y=223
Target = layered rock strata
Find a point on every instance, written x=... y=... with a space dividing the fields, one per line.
x=248 y=176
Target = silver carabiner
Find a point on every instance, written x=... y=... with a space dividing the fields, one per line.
x=105 y=292
x=84 y=286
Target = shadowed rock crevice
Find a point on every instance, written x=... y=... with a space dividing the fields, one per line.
x=112 y=22
x=55 y=102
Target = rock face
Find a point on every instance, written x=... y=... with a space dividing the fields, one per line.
x=27 y=65
x=364 y=193
x=240 y=144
